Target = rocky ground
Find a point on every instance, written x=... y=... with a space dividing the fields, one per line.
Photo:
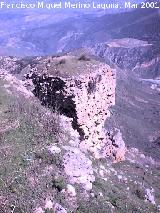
x=47 y=167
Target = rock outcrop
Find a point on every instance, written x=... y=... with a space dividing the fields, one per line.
x=78 y=167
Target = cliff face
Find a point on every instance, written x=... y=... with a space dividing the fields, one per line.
x=131 y=53
x=86 y=99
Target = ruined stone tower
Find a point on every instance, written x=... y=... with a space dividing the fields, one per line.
x=85 y=97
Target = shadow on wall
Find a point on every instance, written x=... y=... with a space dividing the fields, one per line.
x=51 y=92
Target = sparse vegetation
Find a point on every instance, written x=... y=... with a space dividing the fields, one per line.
x=58 y=184
x=20 y=169
x=49 y=211
x=83 y=57
x=62 y=61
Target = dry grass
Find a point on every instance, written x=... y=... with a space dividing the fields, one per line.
x=23 y=175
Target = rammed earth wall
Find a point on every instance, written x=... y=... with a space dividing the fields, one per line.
x=86 y=99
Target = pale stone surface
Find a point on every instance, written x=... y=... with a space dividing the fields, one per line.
x=119 y=148
x=78 y=167
x=71 y=190
x=93 y=96
x=54 y=149
x=13 y=82
x=135 y=156
x=59 y=209
x=150 y=196
x=49 y=204
x=39 y=210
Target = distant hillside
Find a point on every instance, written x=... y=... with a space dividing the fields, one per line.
x=46 y=33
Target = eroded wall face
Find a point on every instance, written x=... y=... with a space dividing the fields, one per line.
x=86 y=99
x=94 y=93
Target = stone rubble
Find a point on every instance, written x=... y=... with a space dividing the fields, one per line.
x=78 y=167
x=39 y=210
x=49 y=204
x=135 y=156
x=12 y=82
x=59 y=209
x=149 y=196
x=71 y=190
x=119 y=146
x=54 y=149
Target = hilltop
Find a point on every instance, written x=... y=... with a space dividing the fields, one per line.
x=58 y=157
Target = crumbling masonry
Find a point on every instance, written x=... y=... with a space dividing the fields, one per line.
x=86 y=99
